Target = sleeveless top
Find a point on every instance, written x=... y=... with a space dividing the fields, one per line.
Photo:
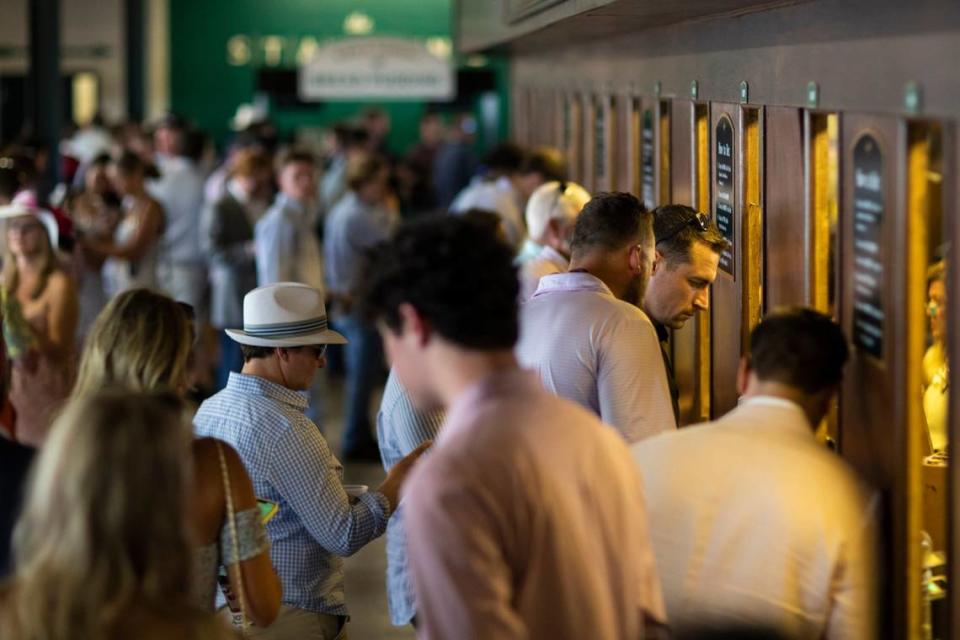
x=252 y=540
x=120 y=274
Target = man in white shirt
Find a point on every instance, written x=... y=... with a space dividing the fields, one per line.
x=551 y=213
x=496 y=191
x=688 y=252
x=181 y=261
x=286 y=241
x=756 y=523
x=584 y=332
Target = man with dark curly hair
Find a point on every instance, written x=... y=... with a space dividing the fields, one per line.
x=526 y=520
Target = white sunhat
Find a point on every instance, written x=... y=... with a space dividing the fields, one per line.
x=47 y=219
x=285 y=314
x=248 y=115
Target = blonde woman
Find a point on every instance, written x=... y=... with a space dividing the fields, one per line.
x=99 y=550
x=143 y=342
x=40 y=312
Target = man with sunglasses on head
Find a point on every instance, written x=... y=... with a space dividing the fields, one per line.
x=584 y=331
x=687 y=255
x=260 y=413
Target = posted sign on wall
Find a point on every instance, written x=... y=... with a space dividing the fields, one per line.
x=377 y=68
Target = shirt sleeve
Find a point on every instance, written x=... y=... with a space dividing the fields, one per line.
x=461 y=578
x=852 y=612
x=275 y=249
x=308 y=477
x=632 y=386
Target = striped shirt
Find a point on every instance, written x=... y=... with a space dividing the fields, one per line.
x=598 y=351
x=401 y=428
x=291 y=464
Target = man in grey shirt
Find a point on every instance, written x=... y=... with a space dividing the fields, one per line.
x=401 y=428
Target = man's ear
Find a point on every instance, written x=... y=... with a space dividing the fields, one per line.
x=413 y=325
x=659 y=262
x=743 y=375
x=283 y=353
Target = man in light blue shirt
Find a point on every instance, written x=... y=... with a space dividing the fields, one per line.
x=401 y=428
x=261 y=414
x=286 y=237
x=357 y=223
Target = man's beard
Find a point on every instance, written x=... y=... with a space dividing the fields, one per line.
x=636 y=289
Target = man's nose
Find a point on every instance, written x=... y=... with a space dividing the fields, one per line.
x=702 y=300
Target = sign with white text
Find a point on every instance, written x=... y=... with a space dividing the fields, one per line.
x=382 y=68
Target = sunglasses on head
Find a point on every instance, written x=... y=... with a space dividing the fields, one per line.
x=699 y=221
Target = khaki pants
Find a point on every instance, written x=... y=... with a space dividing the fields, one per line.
x=293 y=624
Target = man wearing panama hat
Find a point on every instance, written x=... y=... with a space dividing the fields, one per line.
x=261 y=414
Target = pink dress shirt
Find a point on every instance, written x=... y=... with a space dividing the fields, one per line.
x=527 y=520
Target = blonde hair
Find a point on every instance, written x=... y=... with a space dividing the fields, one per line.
x=11 y=275
x=102 y=536
x=141 y=341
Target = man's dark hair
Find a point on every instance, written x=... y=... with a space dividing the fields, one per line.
x=799 y=347
x=548 y=162
x=297 y=155
x=251 y=352
x=678 y=221
x=457 y=275
x=505 y=158
x=611 y=221
x=489 y=221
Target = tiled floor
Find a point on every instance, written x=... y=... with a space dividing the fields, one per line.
x=366 y=570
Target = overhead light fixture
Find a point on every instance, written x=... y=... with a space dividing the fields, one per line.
x=357 y=23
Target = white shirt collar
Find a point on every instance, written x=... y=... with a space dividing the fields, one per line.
x=238 y=194
x=576 y=281
x=552 y=255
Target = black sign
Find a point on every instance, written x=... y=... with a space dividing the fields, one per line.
x=868 y=314
x=599 y=140
x=724 y=189
x=647 y=176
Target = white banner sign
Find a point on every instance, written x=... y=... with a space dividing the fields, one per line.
x=378 y=67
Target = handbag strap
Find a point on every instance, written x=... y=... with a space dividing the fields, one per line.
x=232 y=524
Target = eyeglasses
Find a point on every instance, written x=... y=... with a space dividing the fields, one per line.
x=318 y=350
x=699 y=221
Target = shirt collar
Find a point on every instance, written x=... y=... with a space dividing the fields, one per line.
x=662 y=334
x=246 y=384
x=554 y=256
x=238 y=194
x=497 y=385
x=778 y=403
x=575 y=281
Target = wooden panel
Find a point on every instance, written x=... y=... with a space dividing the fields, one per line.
x=624 y=133
x=751 y=220
x=663 y=166
x=681 y=192
x=873 y=413
x=786 y=264
x=725 y=315
x=634 y=114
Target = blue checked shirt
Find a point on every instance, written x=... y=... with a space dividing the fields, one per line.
x=291 y=464
x=401 y=428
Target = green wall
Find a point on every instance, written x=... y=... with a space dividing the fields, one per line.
x=207 y=85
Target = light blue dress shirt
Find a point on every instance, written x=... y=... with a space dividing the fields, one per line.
x=291 y=464
x=401 y=428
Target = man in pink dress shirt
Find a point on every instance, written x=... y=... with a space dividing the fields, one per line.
x=527 y=519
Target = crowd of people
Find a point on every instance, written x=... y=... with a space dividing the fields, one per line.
x=537 y=484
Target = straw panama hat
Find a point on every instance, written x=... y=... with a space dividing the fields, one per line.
x=285 y=314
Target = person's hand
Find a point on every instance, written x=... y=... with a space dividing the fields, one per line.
x=398 y=475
